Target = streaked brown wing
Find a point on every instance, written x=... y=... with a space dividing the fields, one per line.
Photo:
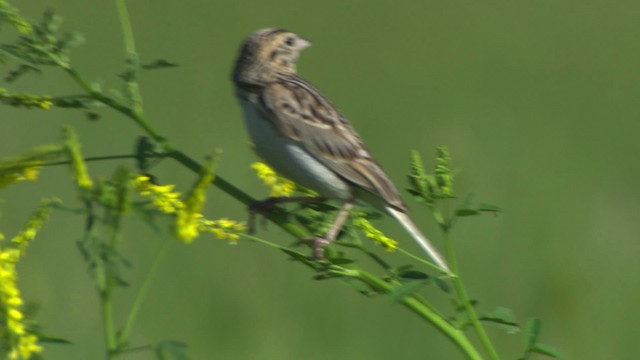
x=301 y=113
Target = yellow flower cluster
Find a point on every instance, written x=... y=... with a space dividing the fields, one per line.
x=223 y=229
x=374 y=234
x=279 y=185
x=78 y=166
x=26 y=166
x=189 y=221
x=25 y=172
x=22 y=343
x=162 y=196
x=13 y=16
x=28 y=101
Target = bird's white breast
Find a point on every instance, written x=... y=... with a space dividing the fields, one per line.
x=289 y=158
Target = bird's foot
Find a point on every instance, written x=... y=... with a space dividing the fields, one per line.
x=317 y=244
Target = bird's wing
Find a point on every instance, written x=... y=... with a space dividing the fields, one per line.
x=300 y=112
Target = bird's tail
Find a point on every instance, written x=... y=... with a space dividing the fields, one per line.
x=422 y=240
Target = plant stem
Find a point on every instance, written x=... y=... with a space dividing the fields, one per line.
x=127 y=30
x=104 y=290
x=464 y=298
x=418 y=259
x=94 y=158
x=123 y=334
x=415 y=305
x=104 y=284
x=133 y=62
x=116 y=105
x=107 y=320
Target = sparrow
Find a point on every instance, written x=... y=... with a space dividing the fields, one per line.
x=300 y=134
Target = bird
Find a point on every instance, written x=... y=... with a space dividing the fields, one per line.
x=305 y=138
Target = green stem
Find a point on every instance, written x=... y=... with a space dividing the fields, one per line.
x=262 y=241
x=104 y=288
x=116 y=105
x=466 y=301
x=123 y=335
x=127 y=29
x=132 y=85
x=107 y=320
x=95 y=158
x=104 y=283
x=418 y=307
x=419 y=259
x=415 y=303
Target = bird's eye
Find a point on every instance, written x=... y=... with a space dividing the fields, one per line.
x=290 y=41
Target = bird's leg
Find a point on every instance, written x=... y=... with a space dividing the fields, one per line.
x=318 y=243
x=263 y=206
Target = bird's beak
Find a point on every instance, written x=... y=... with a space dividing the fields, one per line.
x=303 y=44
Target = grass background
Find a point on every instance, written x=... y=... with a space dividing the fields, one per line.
x=537 y=101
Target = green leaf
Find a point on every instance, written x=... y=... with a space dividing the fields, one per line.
x=298 y=257
x=294 y=254
x=502 y=316
x=169 y=349
x=50 y=22
x=326 y=276
x=415 y=193
x=18 y=54
x=489 y=208
x=53 y=340
x=413 y=275
x=548 y=351
x=466 y=208
x=401 y=269
x=359 y=286
x=71 y=40
x=467 y=212
x=443 y=285
x=531 y=333
x=461 y=308
x=92 y=115
x=159 y=64
x=341 y=261
x=401 y=291
x=74 y=101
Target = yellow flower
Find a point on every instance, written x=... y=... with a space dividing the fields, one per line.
x=12 y=15
x=280 y=186
x=374 y=234
x=22 y=344
x=45 y=104
x=189 y=221
x=224 y=229
x=28 y=346
x=188 y=217
x=162 y=196
x=187 y=225
x=24 y=172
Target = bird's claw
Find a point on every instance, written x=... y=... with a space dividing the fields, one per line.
x=317 y=244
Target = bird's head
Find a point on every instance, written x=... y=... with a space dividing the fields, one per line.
x=267 y=53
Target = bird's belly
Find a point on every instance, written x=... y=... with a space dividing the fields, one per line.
x=290 y=159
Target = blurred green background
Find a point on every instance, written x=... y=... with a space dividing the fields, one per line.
x=538 y=102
